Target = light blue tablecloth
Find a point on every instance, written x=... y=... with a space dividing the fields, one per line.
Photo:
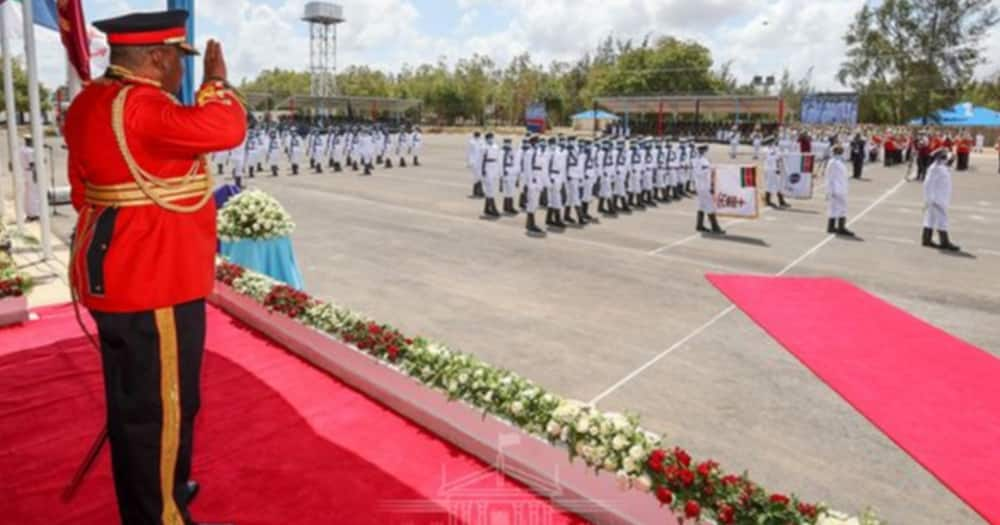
x=274 y=258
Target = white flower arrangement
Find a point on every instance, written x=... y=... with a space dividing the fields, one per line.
x=253 y=214
x=605 y=441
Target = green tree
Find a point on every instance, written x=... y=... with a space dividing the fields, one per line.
x=21 y=89
x=909 y=58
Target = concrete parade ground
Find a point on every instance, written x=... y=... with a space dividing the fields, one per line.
x=620 y=312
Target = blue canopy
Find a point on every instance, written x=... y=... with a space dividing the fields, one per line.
x=591 y=115
x=963 y=115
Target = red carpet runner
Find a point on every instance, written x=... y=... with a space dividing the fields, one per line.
x=277 y=442
x=935 y=396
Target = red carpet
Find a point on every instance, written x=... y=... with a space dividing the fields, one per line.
x=935 y=396
x=277 y=442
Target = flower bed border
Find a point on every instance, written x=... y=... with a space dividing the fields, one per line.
x=13 y=310
x=541 y=466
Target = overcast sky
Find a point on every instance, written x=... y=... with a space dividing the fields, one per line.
x=760 y=37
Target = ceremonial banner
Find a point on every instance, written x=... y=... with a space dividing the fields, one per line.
x=734 y=189
x=798 y=179
x=73 y=31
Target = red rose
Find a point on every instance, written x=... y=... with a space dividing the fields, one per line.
x=664 y=495
x=779 y=498
x=682 y=457
x=686 y=477
x=374 y=329
x=726 y=514
x=393 y=352
x=706 y=468
x=409 y=341
x=692 y=509
x=730 y=480
x=807 y=510
x=656 y=460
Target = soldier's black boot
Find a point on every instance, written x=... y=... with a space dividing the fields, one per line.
x=625 y=207
x=354 y=165
x=477 y=189
x=612 y=207
x=250 y=172
x=946 y=242
x=295 y=169
x=548 y=217
x=388 y=163
x=523 y=200
x=368 y=169
x=700 y=223
x=512 y=209
x=927 y=239
x=581 y=216
x=336 y=167
x=259 y=167
x=831 y=226
x=557 y=220
x=416 y=161
x=690 y=188
x=220 y=169
x=319 y=168
x=842 y=227
x=650 y=201
x=714 y=221
x=600 y=205
x=332 y=164
x=568 y=215
x=312 y=164
x=767 y=200
x=274 y=171
x=489 y=208
x=378 y=159
x=781 y=201
x=638 y=202
x=402 y=162
x=530 y=224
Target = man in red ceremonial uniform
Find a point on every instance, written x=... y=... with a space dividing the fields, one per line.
x=144 y=248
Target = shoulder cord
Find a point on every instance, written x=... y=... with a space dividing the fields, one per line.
x=145 y=180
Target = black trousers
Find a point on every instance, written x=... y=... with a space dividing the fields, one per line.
x=859 y=163
x=963 y=162
x=152 y=368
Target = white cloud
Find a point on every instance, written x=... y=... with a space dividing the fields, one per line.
x=386 y=33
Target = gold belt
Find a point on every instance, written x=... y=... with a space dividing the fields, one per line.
x=130 y=194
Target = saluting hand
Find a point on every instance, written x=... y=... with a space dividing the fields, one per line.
x=215 y=64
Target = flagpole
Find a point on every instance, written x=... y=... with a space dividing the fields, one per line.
x=13 y=144
x=37 y=134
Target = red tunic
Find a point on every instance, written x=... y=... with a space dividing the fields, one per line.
x=155 y=257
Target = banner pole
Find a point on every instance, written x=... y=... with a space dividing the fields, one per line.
x=37 y=133
x=13 y=142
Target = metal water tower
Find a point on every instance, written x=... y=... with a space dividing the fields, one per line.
x=323 y=18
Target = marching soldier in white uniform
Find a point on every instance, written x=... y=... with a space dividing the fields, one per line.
x=702 y=169
x=416 y=142
x=937 y=198
x=590 y=170
x=273 y=152
x=557 y=179
x=535 y=179
x=621 y=177
x=772 y=176
x=366 y=148
x=510 y=163
x=575 y=159
x=836 y=194
x=490 y=175
x=294 y=151
x=474 y=154
x=757 y=141
x=734 y=142
x=606 y=164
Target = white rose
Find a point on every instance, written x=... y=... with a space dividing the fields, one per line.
x=610 y=464
x=516 y=408
x=583 y=424
x=630 y=465
x=619 y=442
x=463 y=379
x=644 y=483
x=636 y=452
x=488 y=397
x=553 y=428
x=600 y=453
x=594 y=431
x=564 y=435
